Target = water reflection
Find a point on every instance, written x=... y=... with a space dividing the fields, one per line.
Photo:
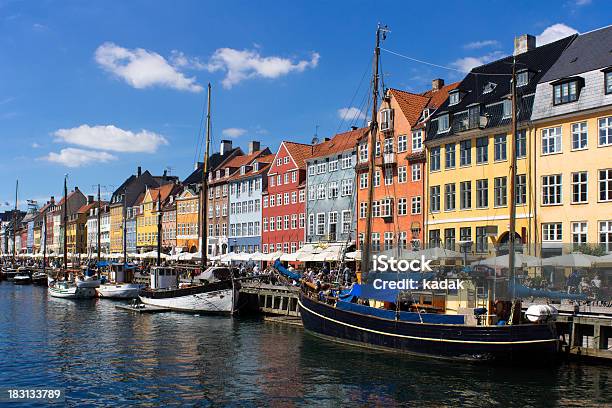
x=103 y=356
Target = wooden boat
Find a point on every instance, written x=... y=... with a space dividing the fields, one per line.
x=39 y=278
x=68 y=290
x=22 y=278
x=119 y=290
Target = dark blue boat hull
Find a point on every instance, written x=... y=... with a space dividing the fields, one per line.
x=532 y=342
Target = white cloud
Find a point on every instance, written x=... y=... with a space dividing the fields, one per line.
x=553 y=33
x=111 y=138
x=481 y=44
x=351 y=113
x=233 y=132
x=71 y=157
x=35 y=145
x=582 y=2
x=141 y=68
x=466 y=64
x=239 y=65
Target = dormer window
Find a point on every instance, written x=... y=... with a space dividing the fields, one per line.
x=443 y=123
x=489 y=87
x=507 y=108
x=218 y=173
x=386 y=119
x=454 y=98
x=567 y=90
x=425 y=113
x=522 y=78
x=608 y=81
x=256 y=166
x=227 y=172
x=242 y=169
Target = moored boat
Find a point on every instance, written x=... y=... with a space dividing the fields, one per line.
x=39 y=278
x=22 y=278
x=68 y=290
x=119 y=290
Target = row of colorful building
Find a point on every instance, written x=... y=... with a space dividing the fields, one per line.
x=440 y=176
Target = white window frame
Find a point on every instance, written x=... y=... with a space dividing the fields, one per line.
x=579 y=130
x=552 y=140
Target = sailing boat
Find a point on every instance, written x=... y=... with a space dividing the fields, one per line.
x=68 y=288
x=347 y=317
x=218 y=297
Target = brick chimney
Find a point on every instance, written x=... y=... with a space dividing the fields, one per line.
x=139 y=172
x=524 y=43
x=226 y=146
x=90 y=199
x=437 y=84
x=254 y=146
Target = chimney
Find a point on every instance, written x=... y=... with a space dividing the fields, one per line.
x=253 y=146
x=139 y=172
x=90 y=199
x=353 y=127
x=226 y=146
x=327 y=139
x=524 y=43
x=52 y=200
x=165 y=176
x=437 y=84
x=76 y=189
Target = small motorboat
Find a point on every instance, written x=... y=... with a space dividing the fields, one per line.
x=119 y=290
x=10 y=273
x=88 y=280
x=22 y=278
x=39 y=278
x=69 y=290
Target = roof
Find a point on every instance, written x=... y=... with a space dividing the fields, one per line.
x=437 y=97
x=163 y=191
x=238 y=162
x=299 y=152
x=588 y=52
x=339 y=143
x=85 y=209
x=411 y=104
x=214 y=161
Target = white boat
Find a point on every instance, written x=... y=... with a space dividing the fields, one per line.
x=88 y=282
x=68 y=290
x=213 y=298
x=22 y=279
x=119 y=290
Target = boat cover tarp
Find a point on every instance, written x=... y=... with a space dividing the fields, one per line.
x=403 y=316
x=523 y=291
x=286 y=272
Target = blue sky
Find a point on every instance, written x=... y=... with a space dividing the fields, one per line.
x=95 y=89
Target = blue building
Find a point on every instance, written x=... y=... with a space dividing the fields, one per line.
x=245 y=202
x=130 y=227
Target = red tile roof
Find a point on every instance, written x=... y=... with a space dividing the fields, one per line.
x=411 y=105
x=339 y=143
x=438 y=97
x=299 y=152
x=163 y=191
x=85 y=209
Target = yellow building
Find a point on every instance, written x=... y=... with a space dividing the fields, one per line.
x=469 y=146
x=187 y=221
x=572 y=120
x=116 y=228
x=146 y=224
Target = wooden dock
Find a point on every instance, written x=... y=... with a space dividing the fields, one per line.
x=141 y=308
x=289 y=320
x=278 y=300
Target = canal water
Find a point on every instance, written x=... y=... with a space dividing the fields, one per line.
x=103 y=357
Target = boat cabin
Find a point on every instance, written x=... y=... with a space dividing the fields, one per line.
x=120 y=273
x=163 y=277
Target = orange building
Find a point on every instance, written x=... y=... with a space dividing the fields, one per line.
x=397 y=202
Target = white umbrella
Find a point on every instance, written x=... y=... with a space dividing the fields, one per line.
x=433 y=253
x=601 y=260
x=289 y=257
x=503 y=261
x=355 y=255
x=256 y=256
x=574 y=260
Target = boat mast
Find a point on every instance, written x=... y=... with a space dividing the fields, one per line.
x=159 y=227
x=99 y=219
x=512 y=206
x=125 y=226
x=45 y=239
x=65 y=218
x=367 y=239
x=204 y=190
x=15 y=221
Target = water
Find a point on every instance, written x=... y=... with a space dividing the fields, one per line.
x=104 y=357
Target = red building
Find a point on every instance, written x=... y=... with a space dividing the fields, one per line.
x=284 y=202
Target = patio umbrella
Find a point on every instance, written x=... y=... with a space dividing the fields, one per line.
x=434 y=253
x=504 y=260
x=573 y=260
x=355 y=255
x=603 y=260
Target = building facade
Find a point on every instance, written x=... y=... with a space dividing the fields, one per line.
x=187 y=221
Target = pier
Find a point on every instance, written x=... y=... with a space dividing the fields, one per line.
x=268 y=299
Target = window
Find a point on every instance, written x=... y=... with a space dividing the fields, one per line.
x=500 y=196
x=465 y=234
x=346 y=221
x=293 y=198
x=377 y=149
x=500 y=147
x=286 y=222
x=333 y=165
x=376 y=178
x=416 y=172
x=434 y=238
x=453 y=98
x=347 y=187
x=521 y=189
x=388 y=146
x=363 y=152
x=386 y=207
x=402 y=143
x=580 y=187
x=321 y=168
x=286 y=199
x=605 y=235
x=312 y=194
x=434 y=159
x=312 y=170
x=608 y=82
x=449 y=238
x=302 y=196
x=434 y=200
x=286 y=160
x=402 y=206
x=552 y=232
x=565 y=92
x=302 y=220
x=386 y=119
x=272 y=200
x=482 y=193
x=605 y=185
x=402 y=174
x=443 y=125
x=605 y=131
x=271 y=181
x=579 y=136
x=449 y=197
x=363 y=210
x=449 y=156
x=482 y=150
x=481 y=239
x=522 y=78
x=321 y=224
x=279 y=221
x=388 y=240
x=551 y=189
x=579 y=233
x=507 y=108
x=415 y=205
x=551 y=140
x=521 y=144
x=465 y=195
x=388 y=173
x=363 y=181
x=279 y=200
x=279 y=180
x=333 y=189
x=294 y=221
x=417 y=140
x=375 y=241
x=264 y=223
x=465 y=158
x=321 y=191
x=347 y=161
